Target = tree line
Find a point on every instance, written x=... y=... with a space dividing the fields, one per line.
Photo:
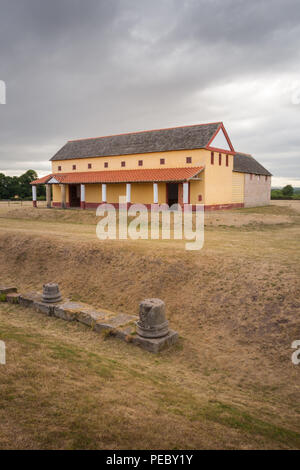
x=287 y=192
x=18 y=187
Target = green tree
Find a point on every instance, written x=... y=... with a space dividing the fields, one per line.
x=3 y=187
x=288 y=190
x=12 y=186
x=24 y=183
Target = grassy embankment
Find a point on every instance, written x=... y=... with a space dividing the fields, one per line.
x=229 y=383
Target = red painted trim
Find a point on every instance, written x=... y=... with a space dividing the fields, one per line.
x=221 y=126
x=58 y=204
x=34 y=203
x=180 y=194
x=214 y=149
x=227 y=138
x=82 y=205
x=218 y=207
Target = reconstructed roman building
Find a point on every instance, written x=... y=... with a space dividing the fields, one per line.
x=186 y=165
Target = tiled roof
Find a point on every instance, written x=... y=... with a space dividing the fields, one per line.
x=160 y=140
x=124 y=176
x=42 y=180
x=245 y=163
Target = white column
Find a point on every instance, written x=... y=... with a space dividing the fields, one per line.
x=185 y=193
x=34 y=195
x=82 y=192
x=82 y=196
x=63 y=195
x=48 y=195
x=155 y=193
x=128 y=192
x=104 y=193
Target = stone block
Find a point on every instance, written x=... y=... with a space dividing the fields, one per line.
x=154 y=345
x=28 y=299
x=115 y=323
x=13 y=298
x=7 y=290
x=68 y=311
x=90 y=317
x=43 y=307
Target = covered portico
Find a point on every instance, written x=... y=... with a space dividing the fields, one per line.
x=147 y=186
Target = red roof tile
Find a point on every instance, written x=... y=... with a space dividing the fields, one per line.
x=124 y=176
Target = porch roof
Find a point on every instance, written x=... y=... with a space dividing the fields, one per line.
x=145 y=175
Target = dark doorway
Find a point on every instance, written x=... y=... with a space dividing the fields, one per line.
x=172 y=193
x=74 y=195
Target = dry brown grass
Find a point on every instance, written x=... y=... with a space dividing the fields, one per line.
x=230 y=382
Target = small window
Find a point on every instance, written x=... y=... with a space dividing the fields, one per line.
x=74 y=167
x=188 y=159
x=220 y=159
x=266 y=178
x=59 y=168
x=199 y=197
x=162 y=161
x=227 y=160
x=122 y=163
x=105 y=164
x=140 y=162
x=89 y=166
x=212 y=158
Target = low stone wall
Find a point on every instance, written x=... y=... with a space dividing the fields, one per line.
x=119 y=325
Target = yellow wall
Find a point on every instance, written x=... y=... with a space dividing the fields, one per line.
x=56 y=193
x=93 y=193
x=238 y=184
x=216 y=185
x=218 y=179
x=113 y=191
x=173 y=159
x=197 y=189
x=142 y=193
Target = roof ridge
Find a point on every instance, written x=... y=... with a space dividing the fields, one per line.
x=150 y=130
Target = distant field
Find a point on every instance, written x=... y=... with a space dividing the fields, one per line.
x=229 y=383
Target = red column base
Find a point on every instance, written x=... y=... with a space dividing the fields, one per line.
x=82 y=205
x=34 y=203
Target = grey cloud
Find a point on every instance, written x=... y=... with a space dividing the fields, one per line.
x=78 y=68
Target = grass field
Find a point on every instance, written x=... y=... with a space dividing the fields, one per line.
x=228 y=383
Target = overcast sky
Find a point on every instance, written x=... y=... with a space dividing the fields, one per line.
x=84 y=68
